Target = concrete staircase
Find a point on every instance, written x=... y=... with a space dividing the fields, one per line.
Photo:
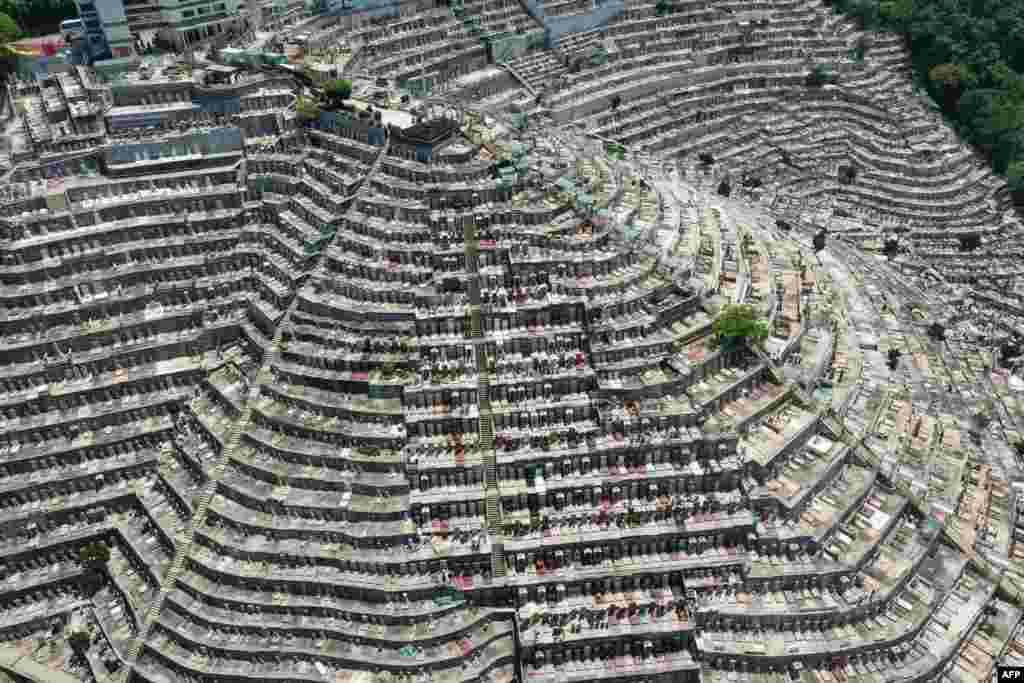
x=185 y=537
x=485 y=422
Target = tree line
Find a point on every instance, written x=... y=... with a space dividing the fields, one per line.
x=37 y=17
x=969 y=56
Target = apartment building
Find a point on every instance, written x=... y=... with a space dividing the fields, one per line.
x=110 y=25
x=106 y=29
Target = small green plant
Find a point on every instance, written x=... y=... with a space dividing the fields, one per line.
x=821 y=75
x=738 y=324
x=79 y=638
x=94 y=555
x=550 y=441
x=1015 y=176
x=338 y=91
x=307 y=109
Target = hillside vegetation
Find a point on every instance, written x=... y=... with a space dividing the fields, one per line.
x=969 y=54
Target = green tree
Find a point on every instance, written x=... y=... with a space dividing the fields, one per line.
x=1000 y=74
x=738 y=324
x=79 y=639
x=820 y=75
x=970 y=58
x=950 y=80
x=1015 y=176
x=94 y=557
x=982 y=415
x=897 y=12
x=338 y=91
x=39 y=17
x=9 y=32
x=9 y=29
x=307 y=109
x=868 y=11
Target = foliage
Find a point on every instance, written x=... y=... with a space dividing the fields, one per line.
x=94 y=555
x=9 y=29
x=339 y=90
x=79 y=639
x=982 y=415
x=891 y=249
x=970 y=58
x=819 y=240
x=952 y=75
x=820 y=75
x=37 y=17
x=1015 y=176
x=860 y=50
x=307 y=109
x=739 y=323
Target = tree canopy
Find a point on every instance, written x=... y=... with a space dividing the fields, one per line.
x=820 y=75
x=36 y=17
x=738 y=324
x=338 y=91
x=1015 y=176
x=9 y=29
x=79 y=639
x=307 y=108
x=94 y=555
x=969 y=56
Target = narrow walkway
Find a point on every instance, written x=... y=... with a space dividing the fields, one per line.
x=185 y=537
x=522 y=79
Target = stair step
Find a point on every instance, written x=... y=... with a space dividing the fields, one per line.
x=476 y=330
x=498 y=560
